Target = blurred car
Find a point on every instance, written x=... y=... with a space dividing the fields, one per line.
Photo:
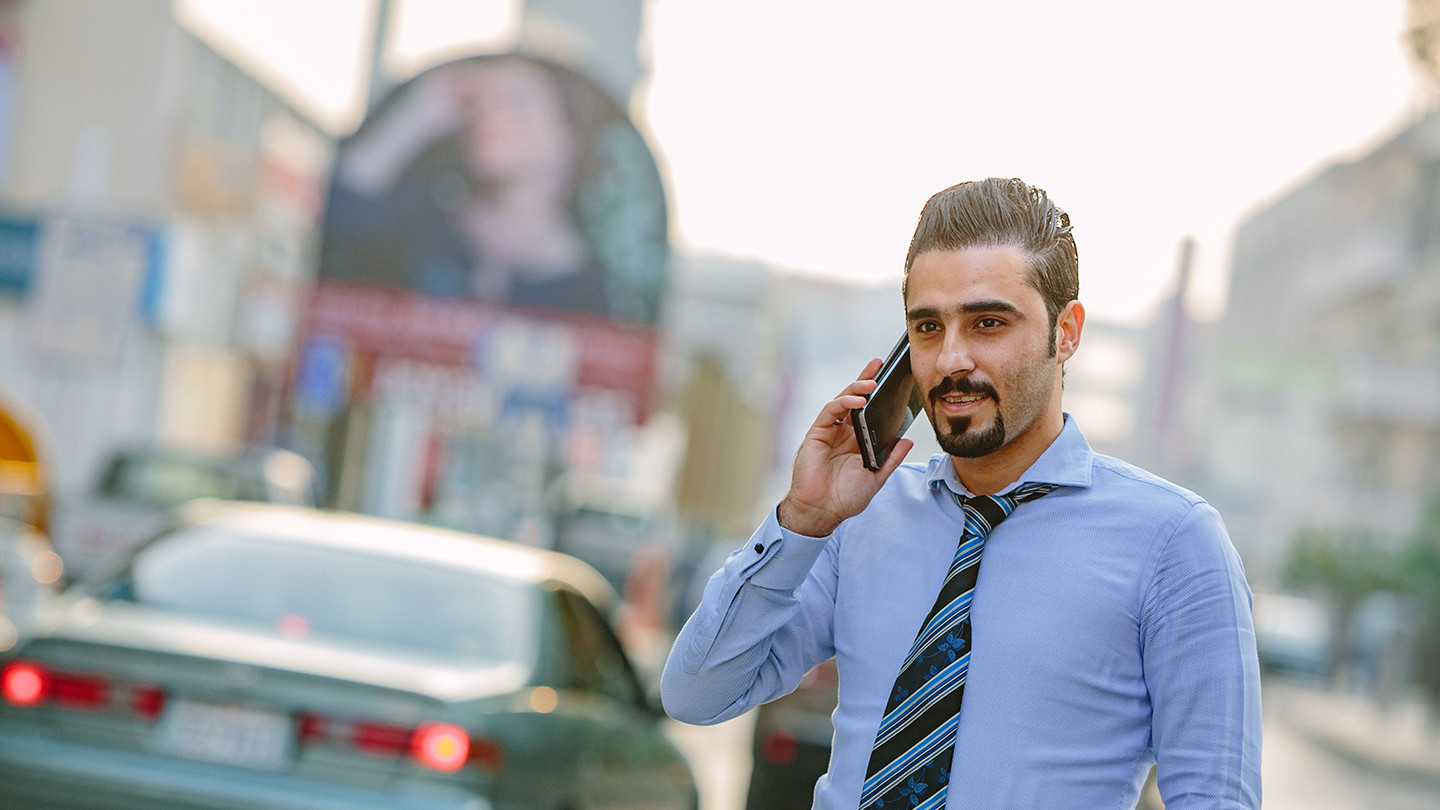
x=253 y=655
x=136 y=486
x=1293 y=634
x=792 y=742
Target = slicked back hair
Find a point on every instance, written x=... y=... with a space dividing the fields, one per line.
x=998 y=212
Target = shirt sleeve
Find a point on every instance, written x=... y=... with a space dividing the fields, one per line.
x=766 y=618
x=1202 y=670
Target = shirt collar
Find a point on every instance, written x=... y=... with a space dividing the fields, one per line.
x=1066 y=462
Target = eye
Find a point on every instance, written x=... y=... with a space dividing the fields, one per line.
x=925 y=326
x=989 y=322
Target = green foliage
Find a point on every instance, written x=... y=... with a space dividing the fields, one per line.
x=1342 y=564
x=1419 y=561
x=1419 y=570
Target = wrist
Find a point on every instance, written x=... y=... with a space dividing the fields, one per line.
x=804 y=520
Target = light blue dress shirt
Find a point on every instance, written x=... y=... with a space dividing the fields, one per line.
x=1111 y=630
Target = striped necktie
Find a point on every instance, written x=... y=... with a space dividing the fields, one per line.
x=910 y=763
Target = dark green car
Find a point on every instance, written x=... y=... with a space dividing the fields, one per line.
x=263 y=656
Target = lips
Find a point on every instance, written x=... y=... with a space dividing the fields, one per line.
x=961 y=403
x=960 y=396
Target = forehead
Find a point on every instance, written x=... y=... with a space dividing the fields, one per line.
x=947 y=278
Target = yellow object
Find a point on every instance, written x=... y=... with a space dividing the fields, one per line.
x=24 y=481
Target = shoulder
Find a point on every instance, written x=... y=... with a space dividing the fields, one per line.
x=1155 y=512
x=1187 y=531
x=1112 y=477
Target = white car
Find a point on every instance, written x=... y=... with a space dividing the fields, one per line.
x=137 y=486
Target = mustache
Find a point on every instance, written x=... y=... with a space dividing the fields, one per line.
x=962 y=385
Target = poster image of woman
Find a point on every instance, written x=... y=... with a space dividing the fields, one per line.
x=502 y=179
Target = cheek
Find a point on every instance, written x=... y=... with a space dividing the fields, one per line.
x=924 y=374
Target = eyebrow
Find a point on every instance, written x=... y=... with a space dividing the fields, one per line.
x=967 y=308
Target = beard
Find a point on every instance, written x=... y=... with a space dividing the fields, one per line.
x=962 y=443
x=959 y=441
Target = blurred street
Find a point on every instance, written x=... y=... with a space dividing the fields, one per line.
x=1324 y=750
x=1327 y=750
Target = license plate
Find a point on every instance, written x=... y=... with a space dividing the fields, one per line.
x=234 y=735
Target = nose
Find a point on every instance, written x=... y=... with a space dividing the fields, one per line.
x=955 y=359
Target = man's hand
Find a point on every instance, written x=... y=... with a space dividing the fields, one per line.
x=829 y=482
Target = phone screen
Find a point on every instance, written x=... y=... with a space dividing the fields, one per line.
x=890 y=409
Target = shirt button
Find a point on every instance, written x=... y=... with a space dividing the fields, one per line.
x=759 y=548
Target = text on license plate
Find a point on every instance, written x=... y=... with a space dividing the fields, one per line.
x=235 y=735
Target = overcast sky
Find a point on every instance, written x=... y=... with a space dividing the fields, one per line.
x=808 y=133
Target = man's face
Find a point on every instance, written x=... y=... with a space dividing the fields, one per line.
x=981 y=348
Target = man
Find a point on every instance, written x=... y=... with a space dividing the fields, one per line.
x=1108 y=627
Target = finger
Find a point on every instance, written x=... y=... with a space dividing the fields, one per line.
x=837 y=411
x=893 y=461
x=871 y=369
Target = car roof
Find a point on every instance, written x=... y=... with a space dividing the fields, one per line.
x=402 y=540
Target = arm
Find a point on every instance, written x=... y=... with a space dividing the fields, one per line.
x=764 y=621
x=1202 y=670
x=430 y=110
x=766 y=617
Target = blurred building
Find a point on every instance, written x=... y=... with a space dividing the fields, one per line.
x=1326 y=366
x=726 y=363
x=159 y=210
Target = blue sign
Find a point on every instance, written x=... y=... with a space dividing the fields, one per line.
x=17 y=253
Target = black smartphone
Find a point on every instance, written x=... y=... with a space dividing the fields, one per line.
x=890 y=409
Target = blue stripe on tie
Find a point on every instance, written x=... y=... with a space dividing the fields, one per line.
x=891 y=775
x=975 y=524
x=935 y=801
x=944 y=682
x=968 y=555
x=950 y=616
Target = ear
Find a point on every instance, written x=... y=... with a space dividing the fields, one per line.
x=1067 y=330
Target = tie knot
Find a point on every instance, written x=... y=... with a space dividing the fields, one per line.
x=991 y=509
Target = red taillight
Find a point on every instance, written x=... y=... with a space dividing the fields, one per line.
x=378 y=738
x=441 y=746
x=779 y=748
x=27 y=683
x=486 y=755
x=313 y=728
x=23 y=683
x=74 y=691
x=147 y=702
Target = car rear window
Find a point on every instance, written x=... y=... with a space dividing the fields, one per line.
x=334 y=595
x=163 y=481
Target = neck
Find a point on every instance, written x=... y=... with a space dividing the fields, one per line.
x=989 y=474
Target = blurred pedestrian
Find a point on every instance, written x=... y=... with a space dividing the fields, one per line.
x=1111 y=615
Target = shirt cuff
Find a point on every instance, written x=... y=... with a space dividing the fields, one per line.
x=779 y=558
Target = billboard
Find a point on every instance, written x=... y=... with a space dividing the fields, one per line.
x=501 y=179
x=491 y=275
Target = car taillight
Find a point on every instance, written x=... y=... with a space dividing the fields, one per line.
x=440 y=746
x=313 y=728
x=23 y=683
x=28 y=683
x=377 y=738
x=780 y=748
x=147 y=702
x=75 y=691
